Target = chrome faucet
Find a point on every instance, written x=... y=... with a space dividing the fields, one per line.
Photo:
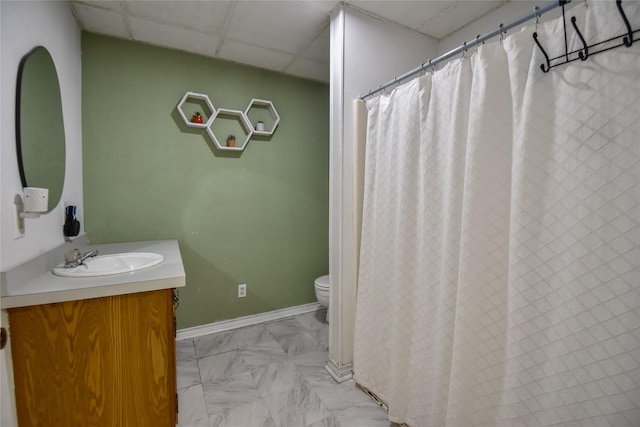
x=79 y=258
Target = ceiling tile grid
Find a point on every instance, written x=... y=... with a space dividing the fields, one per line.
x=281 y=35
x=173 y=37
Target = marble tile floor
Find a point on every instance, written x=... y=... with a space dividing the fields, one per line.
x=268 y=375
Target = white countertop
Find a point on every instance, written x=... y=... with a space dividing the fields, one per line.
x=43 y=287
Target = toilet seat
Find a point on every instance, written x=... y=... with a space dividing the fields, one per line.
x=322 y=282
x=321 y=287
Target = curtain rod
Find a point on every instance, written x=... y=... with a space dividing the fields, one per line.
x=502 y=28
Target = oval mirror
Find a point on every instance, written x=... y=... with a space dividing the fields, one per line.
x=40 y=137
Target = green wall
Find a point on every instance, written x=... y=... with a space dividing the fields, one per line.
x=259 y=217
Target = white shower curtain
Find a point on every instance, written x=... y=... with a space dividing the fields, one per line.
x=500 y=255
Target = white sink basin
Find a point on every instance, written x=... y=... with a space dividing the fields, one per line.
x=104 y=265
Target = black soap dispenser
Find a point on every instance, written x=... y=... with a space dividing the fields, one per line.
x=71 y=224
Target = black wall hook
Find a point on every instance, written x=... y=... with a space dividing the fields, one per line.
x=583 y=54
x=546 y=57
x=628 y=40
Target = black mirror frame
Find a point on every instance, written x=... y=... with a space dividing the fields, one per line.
x=23 y=177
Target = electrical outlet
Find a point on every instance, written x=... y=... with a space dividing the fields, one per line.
x=242 y=290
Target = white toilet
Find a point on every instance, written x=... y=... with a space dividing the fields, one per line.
x=321 y=284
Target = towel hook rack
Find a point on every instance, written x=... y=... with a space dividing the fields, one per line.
x=583 y=54
x=628 y=40
x=545 y=69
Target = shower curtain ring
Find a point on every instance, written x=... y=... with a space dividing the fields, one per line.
x=477 y=42
x=464 y=49
x=501 y=32
x=425 y=67
x=535 y=10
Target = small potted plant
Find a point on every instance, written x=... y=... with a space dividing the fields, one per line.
x=231 y=141
x=197 y=118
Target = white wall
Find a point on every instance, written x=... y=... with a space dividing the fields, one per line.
x=25 y=25
x=365 y=52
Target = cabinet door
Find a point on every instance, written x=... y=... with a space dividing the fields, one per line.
x=98 y=362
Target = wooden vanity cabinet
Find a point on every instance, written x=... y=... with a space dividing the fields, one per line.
x=107 y=361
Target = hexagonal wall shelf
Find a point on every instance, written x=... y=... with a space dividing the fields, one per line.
x=229 y=122
x=223 y=121
x=262 y=110
x=192 y=102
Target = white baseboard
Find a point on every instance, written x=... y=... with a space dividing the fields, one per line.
x=240 y=322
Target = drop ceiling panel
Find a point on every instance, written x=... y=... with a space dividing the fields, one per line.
x=411 y=14
x=456 y=17
x=258 y=57
x=286 y=26
x=318 y=49
x=201 y=16
x=101 y=21
x=102 y=4
x=323 y=6
x=291 y=36
x=173 y=37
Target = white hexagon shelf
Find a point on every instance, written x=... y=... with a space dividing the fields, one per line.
x=229 y=122
x=193 y=102
x=262 y=110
